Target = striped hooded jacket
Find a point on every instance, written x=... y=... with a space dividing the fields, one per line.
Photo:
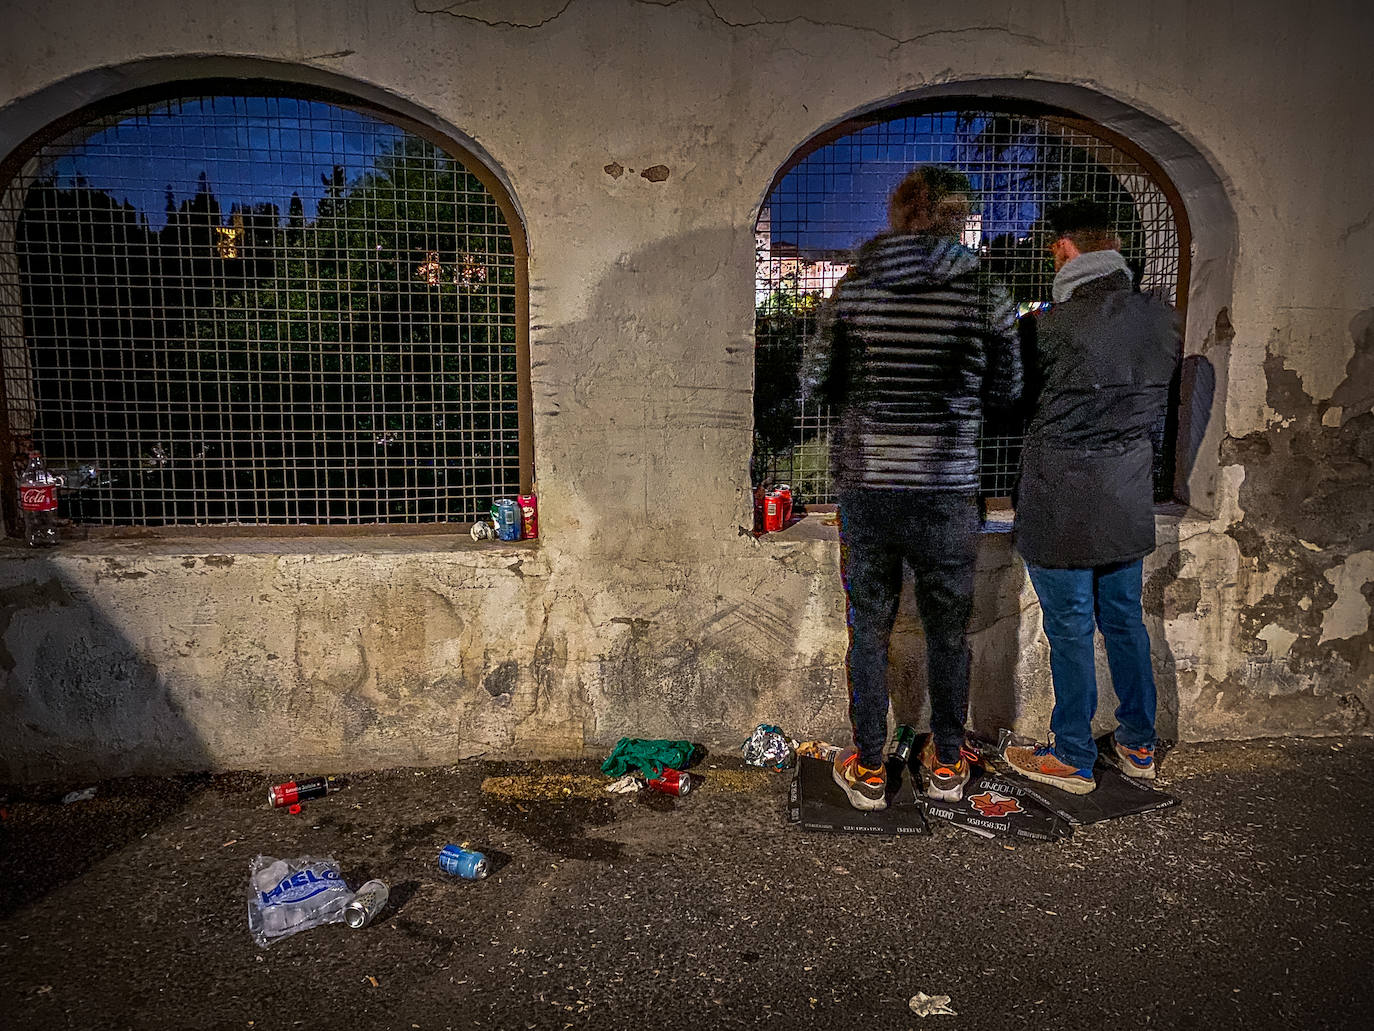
x=914 y=342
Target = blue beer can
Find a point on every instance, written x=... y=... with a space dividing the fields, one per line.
x=505 y=513
x=471 y=866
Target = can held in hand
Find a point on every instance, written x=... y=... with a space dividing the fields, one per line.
x=471 y=866
x=903 y=743
x=529 y=515
x=671 y=782
x=294 y=791
x=505 y=513
x=364 y=906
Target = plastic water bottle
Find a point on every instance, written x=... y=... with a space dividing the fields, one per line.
x=38 y=502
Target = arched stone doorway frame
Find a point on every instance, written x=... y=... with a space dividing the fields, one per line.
x=1191 y=178
x=70 y=103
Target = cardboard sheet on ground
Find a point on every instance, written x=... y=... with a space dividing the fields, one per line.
x=992 y=804
x=1116 y=795
x=816 y=803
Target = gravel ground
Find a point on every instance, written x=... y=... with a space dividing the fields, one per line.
x=1247 y=906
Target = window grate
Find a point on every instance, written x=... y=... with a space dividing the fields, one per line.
x=835 y=197
x=260 y=310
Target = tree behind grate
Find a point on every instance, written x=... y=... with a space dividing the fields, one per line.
x=280 y=344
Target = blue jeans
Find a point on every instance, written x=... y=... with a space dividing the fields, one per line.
x=1072 y=600
x=936 y=535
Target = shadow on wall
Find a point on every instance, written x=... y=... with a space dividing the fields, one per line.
x=996 y=697
x=1197 y=394
x=1163 y=597
x=643 y=404
x=74 y=691
x=1011 y=685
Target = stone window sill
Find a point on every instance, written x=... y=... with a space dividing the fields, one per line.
x=434 y=538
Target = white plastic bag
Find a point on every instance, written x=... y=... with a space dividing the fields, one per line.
x=290 y=895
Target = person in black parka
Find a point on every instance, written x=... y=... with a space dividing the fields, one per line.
x=1098 y=369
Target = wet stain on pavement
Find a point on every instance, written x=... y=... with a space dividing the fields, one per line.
x=559 y=826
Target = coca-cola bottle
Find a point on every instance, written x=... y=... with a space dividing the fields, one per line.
x=38 y=501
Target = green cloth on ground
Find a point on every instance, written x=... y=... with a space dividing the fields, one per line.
x=652 y=757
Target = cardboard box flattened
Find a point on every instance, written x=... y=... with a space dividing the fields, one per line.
x=1116 y=795
x=816 y=803
x=994 y=805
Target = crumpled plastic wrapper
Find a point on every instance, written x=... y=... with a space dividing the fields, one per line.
x=818 y=750
x=924 y=1005
x=286 y=896
x=626 y=785
x=769 y=747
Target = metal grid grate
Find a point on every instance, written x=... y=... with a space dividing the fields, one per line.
x=835 y=198
x=260 y=310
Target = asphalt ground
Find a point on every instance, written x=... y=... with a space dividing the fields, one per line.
x=1247 y=906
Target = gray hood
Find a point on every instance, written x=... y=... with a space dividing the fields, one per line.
x=1084 y=269
x=909 y=264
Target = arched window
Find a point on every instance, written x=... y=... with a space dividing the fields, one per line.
x=234 y=305
x=832 y=195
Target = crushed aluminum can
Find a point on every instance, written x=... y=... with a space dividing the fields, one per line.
x=471 y=866
x=364 y=906
x=671 y=782
x=483 y=531
x=768 y=747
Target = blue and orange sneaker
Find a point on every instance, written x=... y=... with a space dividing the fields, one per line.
x=1041 y=764
x=1135 y=762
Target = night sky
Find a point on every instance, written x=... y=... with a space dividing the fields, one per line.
x=251 y=149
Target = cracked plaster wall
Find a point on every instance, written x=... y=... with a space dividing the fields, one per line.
x=638 y=140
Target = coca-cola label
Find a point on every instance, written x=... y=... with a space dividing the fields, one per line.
x=38 y=499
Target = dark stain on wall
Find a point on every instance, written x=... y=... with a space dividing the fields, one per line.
x=1355 y=395
x=1166 y=594
x=502 y=680
x=33 y=595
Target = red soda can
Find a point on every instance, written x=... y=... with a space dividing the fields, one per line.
x=772 y=512
x=671 y=782
x=784 y=492
x=293 y=791
x=529 y=516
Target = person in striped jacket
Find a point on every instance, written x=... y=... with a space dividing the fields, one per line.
x=913 y=345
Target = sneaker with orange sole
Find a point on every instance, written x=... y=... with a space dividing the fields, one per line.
x=1042 y=765
x=865 y=788
x=945 y=781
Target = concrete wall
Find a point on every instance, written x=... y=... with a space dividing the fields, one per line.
x=644 y=610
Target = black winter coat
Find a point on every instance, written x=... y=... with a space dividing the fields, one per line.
x=1098 y=369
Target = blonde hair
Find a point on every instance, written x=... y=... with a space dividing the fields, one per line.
x=931 y=199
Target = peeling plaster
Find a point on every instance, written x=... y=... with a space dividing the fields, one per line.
x=1278 y=639
x=1349 y=616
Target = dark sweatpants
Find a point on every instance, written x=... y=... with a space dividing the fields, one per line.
x=936 y=534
